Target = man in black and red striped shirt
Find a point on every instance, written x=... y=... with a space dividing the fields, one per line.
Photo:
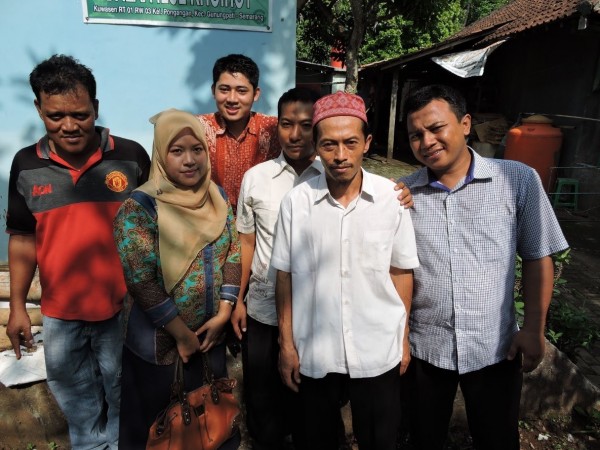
x=63 y=194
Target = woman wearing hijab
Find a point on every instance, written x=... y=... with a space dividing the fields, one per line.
x=181 y=259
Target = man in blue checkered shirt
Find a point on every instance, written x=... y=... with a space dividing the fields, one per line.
x=472 y=216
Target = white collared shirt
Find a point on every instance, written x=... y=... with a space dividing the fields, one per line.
x=347 y=316
x=263 y=187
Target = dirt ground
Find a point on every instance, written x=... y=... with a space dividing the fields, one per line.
x=393 y=169
x=559 y=433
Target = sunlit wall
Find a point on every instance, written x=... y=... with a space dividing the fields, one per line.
x=140 y=70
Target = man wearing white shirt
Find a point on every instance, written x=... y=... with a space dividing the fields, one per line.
x=344 y=251
x=269 y=404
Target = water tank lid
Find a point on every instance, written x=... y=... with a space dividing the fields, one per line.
x=537 y=118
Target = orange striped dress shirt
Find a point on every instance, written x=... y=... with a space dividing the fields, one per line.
x=231 y=157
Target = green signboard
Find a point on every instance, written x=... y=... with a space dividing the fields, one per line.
x=250 y=15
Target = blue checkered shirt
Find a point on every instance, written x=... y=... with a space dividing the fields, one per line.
x=462 y=316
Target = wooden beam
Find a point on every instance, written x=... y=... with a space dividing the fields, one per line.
x=392 y=121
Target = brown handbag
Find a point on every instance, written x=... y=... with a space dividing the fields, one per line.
x=204 y=418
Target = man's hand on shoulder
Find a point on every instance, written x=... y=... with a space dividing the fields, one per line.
x=405 y=196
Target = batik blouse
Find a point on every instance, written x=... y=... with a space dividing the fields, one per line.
x=212 y=276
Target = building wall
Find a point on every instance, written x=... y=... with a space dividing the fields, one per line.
x=139 y=70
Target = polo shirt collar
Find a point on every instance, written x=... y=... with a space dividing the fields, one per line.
x=106 y=143
x=367 y=191
x=251 y=127
x=283 y=165
x=422 y=178
x=480 y=169
x=367 y=186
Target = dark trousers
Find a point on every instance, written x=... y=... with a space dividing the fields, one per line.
x=373 y=401
x=271 y=408
x=492 y=397
x=145 y=392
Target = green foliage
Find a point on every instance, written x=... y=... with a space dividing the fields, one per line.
x=568 y=326
x=449 y=21
x=476 y=9
x=591 y=417
x=51 y=446
x=317 y=35
x=392 y=28
x=553 y=336
x=307 y=49
x=525 y=425
x=518 y=290
x=387 y=42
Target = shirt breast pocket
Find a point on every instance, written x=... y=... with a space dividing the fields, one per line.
x=492 y=237
x=266 y=218
x=376 y=249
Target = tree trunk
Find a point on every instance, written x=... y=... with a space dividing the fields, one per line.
x=299 y=5
x=356 y=39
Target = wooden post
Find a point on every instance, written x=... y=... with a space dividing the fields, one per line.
x=392 y=122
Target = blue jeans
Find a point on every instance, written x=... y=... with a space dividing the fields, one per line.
x=83 y=366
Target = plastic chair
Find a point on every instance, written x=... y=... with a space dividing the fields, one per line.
x=567 y=191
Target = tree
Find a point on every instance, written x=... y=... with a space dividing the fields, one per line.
x=342 y=25
x=363 y=31
x=401 y=35
x=476 y=9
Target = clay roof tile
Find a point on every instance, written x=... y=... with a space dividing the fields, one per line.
x=520 y=15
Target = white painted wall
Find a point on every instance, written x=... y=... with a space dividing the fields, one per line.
x=139 y=70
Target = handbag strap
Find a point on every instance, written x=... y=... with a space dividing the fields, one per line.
x=209 y=376
x=178 y=393
x=177 y=387
x=177 y=390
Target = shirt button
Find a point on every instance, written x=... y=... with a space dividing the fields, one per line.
x=455 y=250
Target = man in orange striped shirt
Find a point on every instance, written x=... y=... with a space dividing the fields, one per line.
x=238 y=138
